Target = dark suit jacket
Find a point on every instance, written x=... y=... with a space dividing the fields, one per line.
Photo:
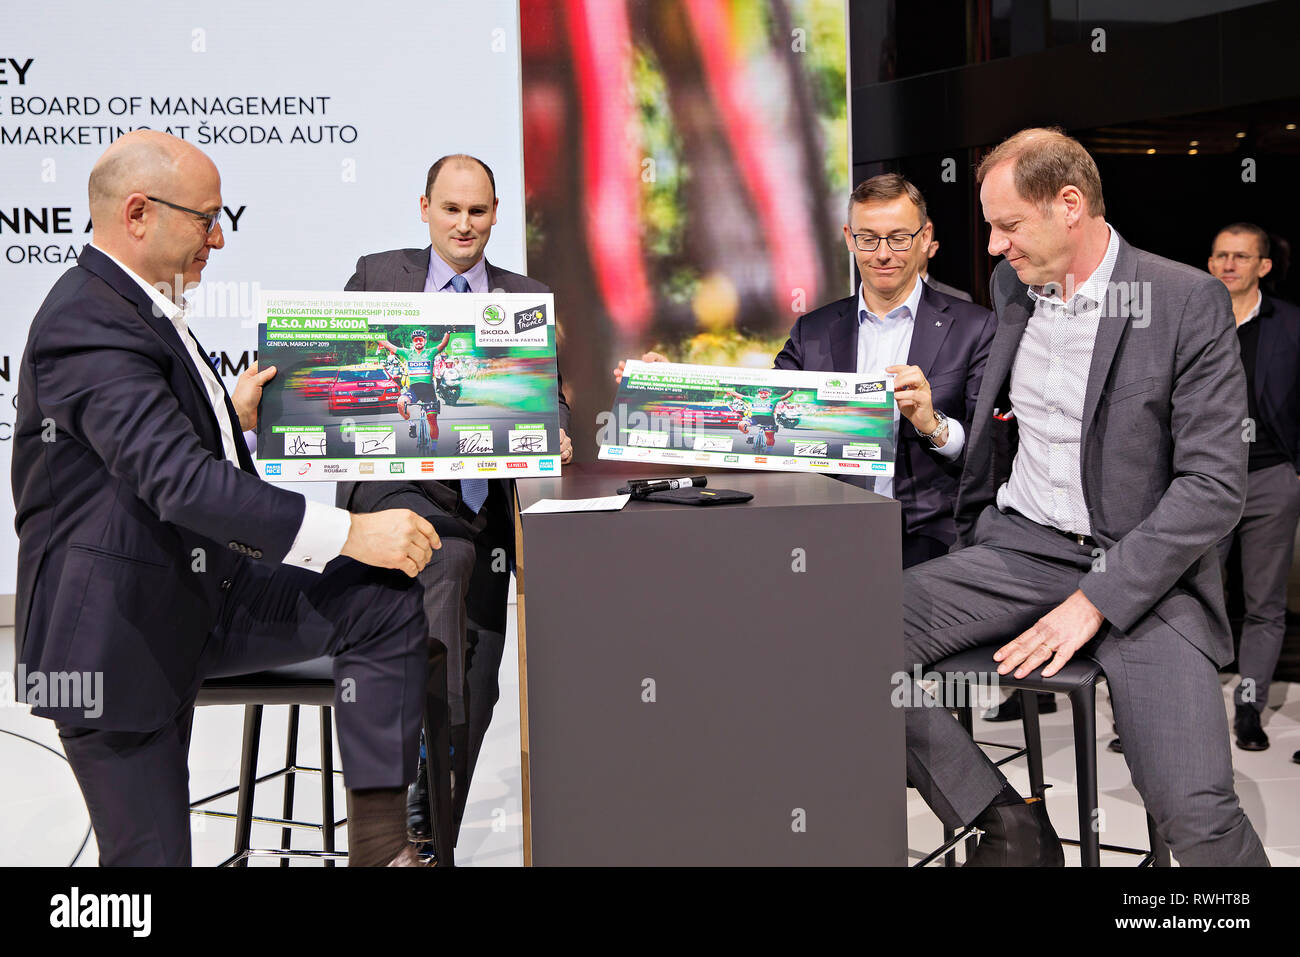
x=1163 y=462
x=1277 y=372
x=950 y=342
x=405 y=270
x=130 y=520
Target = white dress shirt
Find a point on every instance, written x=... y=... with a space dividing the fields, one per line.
x=1049 y=379
x=324 y=528
x=886 y=342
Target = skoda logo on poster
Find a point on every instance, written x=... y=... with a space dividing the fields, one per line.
x=833 y=388
x=495 y=327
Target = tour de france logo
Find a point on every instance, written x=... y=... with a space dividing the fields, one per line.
x=493 y=315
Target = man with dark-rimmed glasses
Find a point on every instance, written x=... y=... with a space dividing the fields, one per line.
x=934 y=345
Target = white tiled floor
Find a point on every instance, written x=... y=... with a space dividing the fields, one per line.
x=43 y=820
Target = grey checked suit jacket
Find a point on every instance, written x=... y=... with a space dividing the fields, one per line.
x=1163 y=459
x=405 y=270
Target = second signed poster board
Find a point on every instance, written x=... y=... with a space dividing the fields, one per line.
x=373 y=385
x=782 y=420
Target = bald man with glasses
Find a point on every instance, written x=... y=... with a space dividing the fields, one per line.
x=151 y=556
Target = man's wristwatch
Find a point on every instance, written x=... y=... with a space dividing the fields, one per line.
x=940 y=430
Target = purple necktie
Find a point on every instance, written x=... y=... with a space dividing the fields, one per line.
x=473 y=491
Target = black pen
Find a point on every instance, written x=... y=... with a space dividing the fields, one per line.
x=639 y=488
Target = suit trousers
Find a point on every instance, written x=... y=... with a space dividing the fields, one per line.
x=136 y=784
x=1165 y=693
x=1266 y=534
x=485 y=640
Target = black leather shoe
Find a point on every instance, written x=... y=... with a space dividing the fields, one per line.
x=1116 y=745
x=1010 y=709
x=1250 y=736
x=419 y=829
x=1017 y=835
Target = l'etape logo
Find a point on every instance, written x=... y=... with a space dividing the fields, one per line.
x=76 y=910
x=530 y=318
x=493 y=315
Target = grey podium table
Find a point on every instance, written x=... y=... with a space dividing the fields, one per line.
x=688 y=695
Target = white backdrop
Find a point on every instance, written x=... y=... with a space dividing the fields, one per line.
x=378 y=91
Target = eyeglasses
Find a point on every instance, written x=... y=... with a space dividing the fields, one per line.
x=900 y=243
x=210 y=218
x=1235 y=257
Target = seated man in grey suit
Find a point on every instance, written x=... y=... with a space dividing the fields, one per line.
x=467 y=583
x=1105 y=460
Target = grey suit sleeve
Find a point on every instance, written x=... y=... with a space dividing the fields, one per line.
x=975 y=371
x=1204 y=501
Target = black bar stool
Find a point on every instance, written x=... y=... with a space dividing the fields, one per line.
x=312 y=683
x=1078 y=681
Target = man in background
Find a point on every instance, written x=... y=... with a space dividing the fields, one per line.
x=930 y=250
x=1268 y=333
x=466 y=588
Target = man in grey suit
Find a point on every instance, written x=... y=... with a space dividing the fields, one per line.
x=1105 y=460
x=466 y=585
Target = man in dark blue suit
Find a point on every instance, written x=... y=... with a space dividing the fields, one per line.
x=933 y=344
x=151 y=556
x=1268 y=332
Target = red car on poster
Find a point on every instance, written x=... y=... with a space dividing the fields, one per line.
x=696 y=414
x=362 y=388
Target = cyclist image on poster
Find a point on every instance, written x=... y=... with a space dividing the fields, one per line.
x=421 y=384
x=759 y=410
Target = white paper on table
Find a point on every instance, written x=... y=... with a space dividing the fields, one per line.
x=610 y=503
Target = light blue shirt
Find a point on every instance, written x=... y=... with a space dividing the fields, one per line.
x=1049 y=383
x=439 y=277
x=885 y=342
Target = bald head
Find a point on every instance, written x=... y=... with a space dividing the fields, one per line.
x=162 y=244
x=142 y=161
